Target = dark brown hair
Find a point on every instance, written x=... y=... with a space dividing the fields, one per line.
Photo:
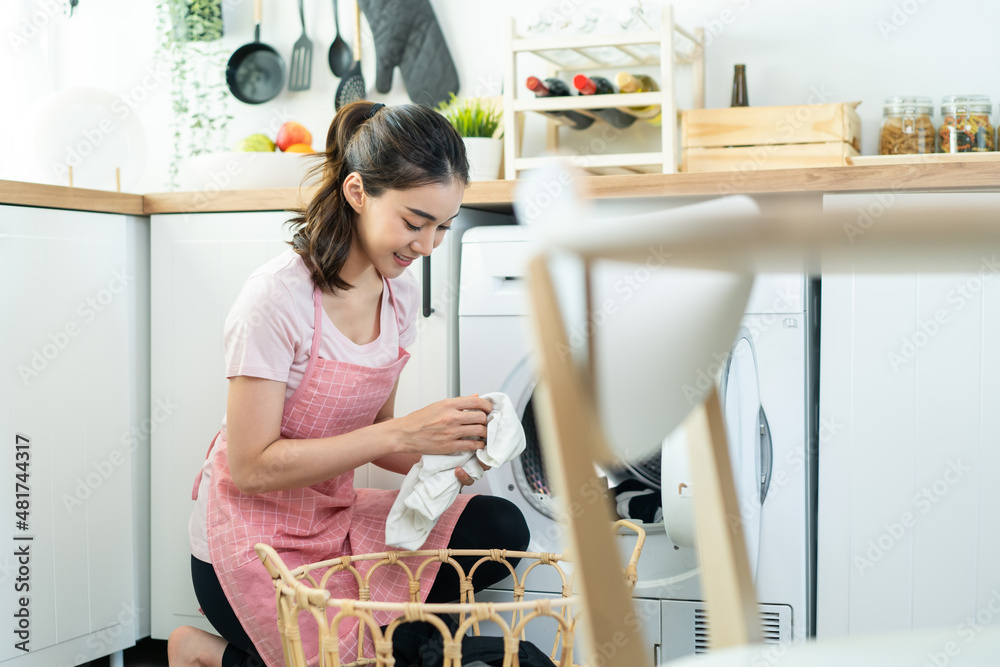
x=394 y=148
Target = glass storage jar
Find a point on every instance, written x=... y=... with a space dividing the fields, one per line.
x=906 y=126
x=965 y=124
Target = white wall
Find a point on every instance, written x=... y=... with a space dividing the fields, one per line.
x=795 y=52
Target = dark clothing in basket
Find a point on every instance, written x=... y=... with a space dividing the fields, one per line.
x=487 y=522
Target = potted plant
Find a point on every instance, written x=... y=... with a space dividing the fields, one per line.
x=477 y=121
x=191 y=49
x=196 y=20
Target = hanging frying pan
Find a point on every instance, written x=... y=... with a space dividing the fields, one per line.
x=255 y=72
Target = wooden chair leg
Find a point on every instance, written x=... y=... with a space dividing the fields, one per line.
x=572 y=442
x=725 y=580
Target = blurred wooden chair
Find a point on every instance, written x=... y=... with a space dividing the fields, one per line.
x=626 y=390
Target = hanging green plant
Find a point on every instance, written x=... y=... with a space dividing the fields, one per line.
x=199 y=96
x=196 y=20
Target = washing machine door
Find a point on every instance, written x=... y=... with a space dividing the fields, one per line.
x=522 y=480
x=749 y=438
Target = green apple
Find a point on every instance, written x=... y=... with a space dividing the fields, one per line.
x=255 y=142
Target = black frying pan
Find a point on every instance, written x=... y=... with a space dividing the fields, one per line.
x=255 y=72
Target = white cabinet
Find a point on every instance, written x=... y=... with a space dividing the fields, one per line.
x=199 y=264
x=909 y=450
x=73 y=354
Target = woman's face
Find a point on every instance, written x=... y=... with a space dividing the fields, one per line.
x=402 y=225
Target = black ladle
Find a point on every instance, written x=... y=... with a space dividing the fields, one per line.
x=255 y=72
x=340 y=56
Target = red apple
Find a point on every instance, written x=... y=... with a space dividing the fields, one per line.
x=293 y=133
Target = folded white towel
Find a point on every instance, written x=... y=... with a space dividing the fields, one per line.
x=431 y=486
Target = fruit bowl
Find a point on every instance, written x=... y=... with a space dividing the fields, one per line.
x=246 y=170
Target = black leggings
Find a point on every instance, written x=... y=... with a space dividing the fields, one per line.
x=487 y=522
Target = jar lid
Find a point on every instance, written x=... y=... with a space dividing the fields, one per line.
x=908 y=105
x=974 y=103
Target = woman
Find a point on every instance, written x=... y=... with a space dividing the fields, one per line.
x=314 y=346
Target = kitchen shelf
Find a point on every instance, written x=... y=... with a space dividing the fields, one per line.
x=582 y=47
x=954 y=176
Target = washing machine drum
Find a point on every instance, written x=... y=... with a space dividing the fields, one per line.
x=532 y=480
x=668 y=470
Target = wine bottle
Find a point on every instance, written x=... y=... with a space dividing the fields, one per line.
x=640 y=83
x=740 y=87
x=598 y=85
x=556 y=88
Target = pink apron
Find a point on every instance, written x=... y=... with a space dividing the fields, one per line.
x=326 y=520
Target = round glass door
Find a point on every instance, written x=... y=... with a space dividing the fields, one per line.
x=740 y=393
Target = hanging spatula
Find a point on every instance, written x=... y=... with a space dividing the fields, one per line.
x=302 y=58
x=352 y=85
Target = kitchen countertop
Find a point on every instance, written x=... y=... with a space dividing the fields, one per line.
x=498 y=195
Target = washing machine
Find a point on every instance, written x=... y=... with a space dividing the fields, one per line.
x=767 y=386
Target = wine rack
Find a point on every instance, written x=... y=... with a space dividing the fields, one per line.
x=634 y=53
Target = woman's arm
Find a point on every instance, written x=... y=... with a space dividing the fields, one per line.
x=398 y=463
x=260 y=460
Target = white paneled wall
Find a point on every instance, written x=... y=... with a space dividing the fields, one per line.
x=908 y=504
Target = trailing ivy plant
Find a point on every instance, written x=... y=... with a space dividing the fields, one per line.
x=196 y=20
x=189 y=31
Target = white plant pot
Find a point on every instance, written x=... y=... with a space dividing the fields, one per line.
x=484 y=155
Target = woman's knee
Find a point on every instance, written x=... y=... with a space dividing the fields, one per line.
x=499 y=522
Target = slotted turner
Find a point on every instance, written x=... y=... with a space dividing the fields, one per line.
x=302 y=58
x=352 y=85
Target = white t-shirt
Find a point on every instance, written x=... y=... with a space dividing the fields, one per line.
x=268 y=334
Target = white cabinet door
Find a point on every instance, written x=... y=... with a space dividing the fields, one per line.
x=198 y=265
x=909 y=450
x=67 y=373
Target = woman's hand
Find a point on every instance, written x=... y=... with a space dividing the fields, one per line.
x=448 y=426
x=463 y=476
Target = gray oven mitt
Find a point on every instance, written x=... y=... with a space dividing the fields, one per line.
x=407 y=34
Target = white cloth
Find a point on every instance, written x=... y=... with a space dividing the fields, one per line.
x=431 y=485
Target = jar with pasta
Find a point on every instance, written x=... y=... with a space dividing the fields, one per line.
x=906 y=126
x=965 y=124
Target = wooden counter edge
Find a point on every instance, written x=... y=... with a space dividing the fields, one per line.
x=17 y=193
x=500 y=194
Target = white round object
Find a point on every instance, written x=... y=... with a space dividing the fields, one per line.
x=94 y=131
x=246 y=170
x=677 y=491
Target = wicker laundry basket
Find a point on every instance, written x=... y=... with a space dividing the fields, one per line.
x=303 y=590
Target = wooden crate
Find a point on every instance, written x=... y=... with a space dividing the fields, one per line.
x=774 y=156
x=782 y=137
